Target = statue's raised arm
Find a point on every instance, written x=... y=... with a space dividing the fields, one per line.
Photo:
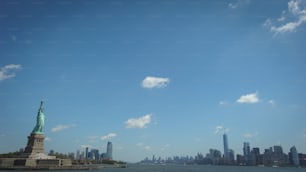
x=40 y=121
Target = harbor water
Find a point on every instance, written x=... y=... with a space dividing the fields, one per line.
x=194 y=168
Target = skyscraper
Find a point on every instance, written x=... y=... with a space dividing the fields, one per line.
x=293 y=156
x=246 y=152
x=225 y=144
x=246 y=149
x=86 y=153
x=109 y=151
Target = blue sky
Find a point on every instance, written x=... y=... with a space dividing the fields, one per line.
x=154 y=77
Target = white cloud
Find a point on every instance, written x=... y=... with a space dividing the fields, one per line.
x=282 y=18
x=138 y=122
x=147 y=148
x=62 y=127
x=8 y=71
x=250 y=135
x=238 y=3
x=248 y=98
x=155 y=82
x=164 y=147
x=109 y=136
x=86 y=146
x=297 y=15
x=220 y=128
x=47 y=139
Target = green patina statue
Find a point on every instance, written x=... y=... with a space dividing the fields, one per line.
x=40 y=122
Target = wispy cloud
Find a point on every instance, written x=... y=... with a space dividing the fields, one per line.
x=164 y=147
x=62 y=127
x=248 y=98
x=147 y=148
x=290 y=20
x=86 y=146
x=109 y=136
x=140 y=122
x=220 y=128
x=250 y=135
x=47 y=139
x=238 y=3
x=155 y=82
x=8 y=71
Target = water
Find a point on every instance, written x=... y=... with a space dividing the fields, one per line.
x=192 y=168
x=203 y=168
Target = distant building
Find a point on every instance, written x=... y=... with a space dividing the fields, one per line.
x=246 y=149
x=294 y=157
x=267 y=157
x=71 y=155
x=109 y=150
x=78 y=155
x=279 y=158
x=94 y=154
x=51 y=152
x=246 y=152
x=255 y=154
x=86 y=153
x=231 y=156
x=103 y=156
x=214 y=156
x=240 y=159
x=302 y=158
x=225 y=145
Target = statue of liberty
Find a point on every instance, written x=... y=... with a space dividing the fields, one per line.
x=40 y=121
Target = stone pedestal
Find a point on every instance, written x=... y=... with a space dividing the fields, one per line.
x=35 y=145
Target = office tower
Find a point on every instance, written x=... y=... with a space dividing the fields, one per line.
x=246 y=149
x=231 y=156
x=86 y=153
x=109 y=150
x=278 y=156
x=78 y=154
x=256 y=151
x=225 y=144
x=94 y=154
x=256 y=156
x=247 y=152
x=214 y=156
x=278 y=149
x=294 y=157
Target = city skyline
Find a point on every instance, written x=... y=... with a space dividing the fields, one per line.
x=150 y=76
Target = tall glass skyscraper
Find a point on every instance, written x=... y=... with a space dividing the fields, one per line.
x=246 y=149
x=109 y=151
x=225 y=144
x=293 y=156
x=86 y=153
